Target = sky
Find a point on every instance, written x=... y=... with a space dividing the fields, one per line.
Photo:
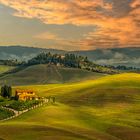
x=70 y=24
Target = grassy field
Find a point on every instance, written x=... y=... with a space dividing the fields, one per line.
x=4 y=68
x=43 y=74
x=107 y=108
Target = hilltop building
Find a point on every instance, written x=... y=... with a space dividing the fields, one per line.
x=24 y=95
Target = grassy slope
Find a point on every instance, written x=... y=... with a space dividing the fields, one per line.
x=4 y=68
x=106 y=109
x=42 y=74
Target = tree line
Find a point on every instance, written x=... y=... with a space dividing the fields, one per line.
x=11 y=62
x=122 y=67
x=69 y=60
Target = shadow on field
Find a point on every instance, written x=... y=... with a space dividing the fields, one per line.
x=101 y=97
x=37 y=132
x=124 y=133
x=50 y=131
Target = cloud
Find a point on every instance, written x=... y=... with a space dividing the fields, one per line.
x=117 y=21
x=135 y=4
x=46 y=36
x=60 y=11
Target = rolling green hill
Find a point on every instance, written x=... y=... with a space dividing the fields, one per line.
x=107 y=108
x=43 y=74
x=4 y=68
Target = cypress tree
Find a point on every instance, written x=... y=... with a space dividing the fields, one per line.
x=6 y=91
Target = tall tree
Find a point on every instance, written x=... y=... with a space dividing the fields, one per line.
x=6 y=91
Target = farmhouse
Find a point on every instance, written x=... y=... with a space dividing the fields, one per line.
x=24 y=95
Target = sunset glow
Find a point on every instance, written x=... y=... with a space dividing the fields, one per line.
x=70 y=24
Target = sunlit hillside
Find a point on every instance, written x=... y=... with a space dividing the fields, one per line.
x=107 y=109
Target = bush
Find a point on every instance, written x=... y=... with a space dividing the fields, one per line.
x=21 y=105
x=4 y=113
x=1 y=99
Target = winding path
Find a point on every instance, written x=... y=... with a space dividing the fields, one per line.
x=18 y=113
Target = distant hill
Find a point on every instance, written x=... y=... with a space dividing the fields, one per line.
x=115 y=56
x=22 y=52
x=44 y=74
x=70 y=60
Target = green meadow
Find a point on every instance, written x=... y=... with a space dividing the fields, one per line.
x=107 y=108
x=4 y=68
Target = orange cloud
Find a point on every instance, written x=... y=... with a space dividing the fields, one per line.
x=46 y=36
x=60 y=11
x=117 y=25
x=135 y=3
